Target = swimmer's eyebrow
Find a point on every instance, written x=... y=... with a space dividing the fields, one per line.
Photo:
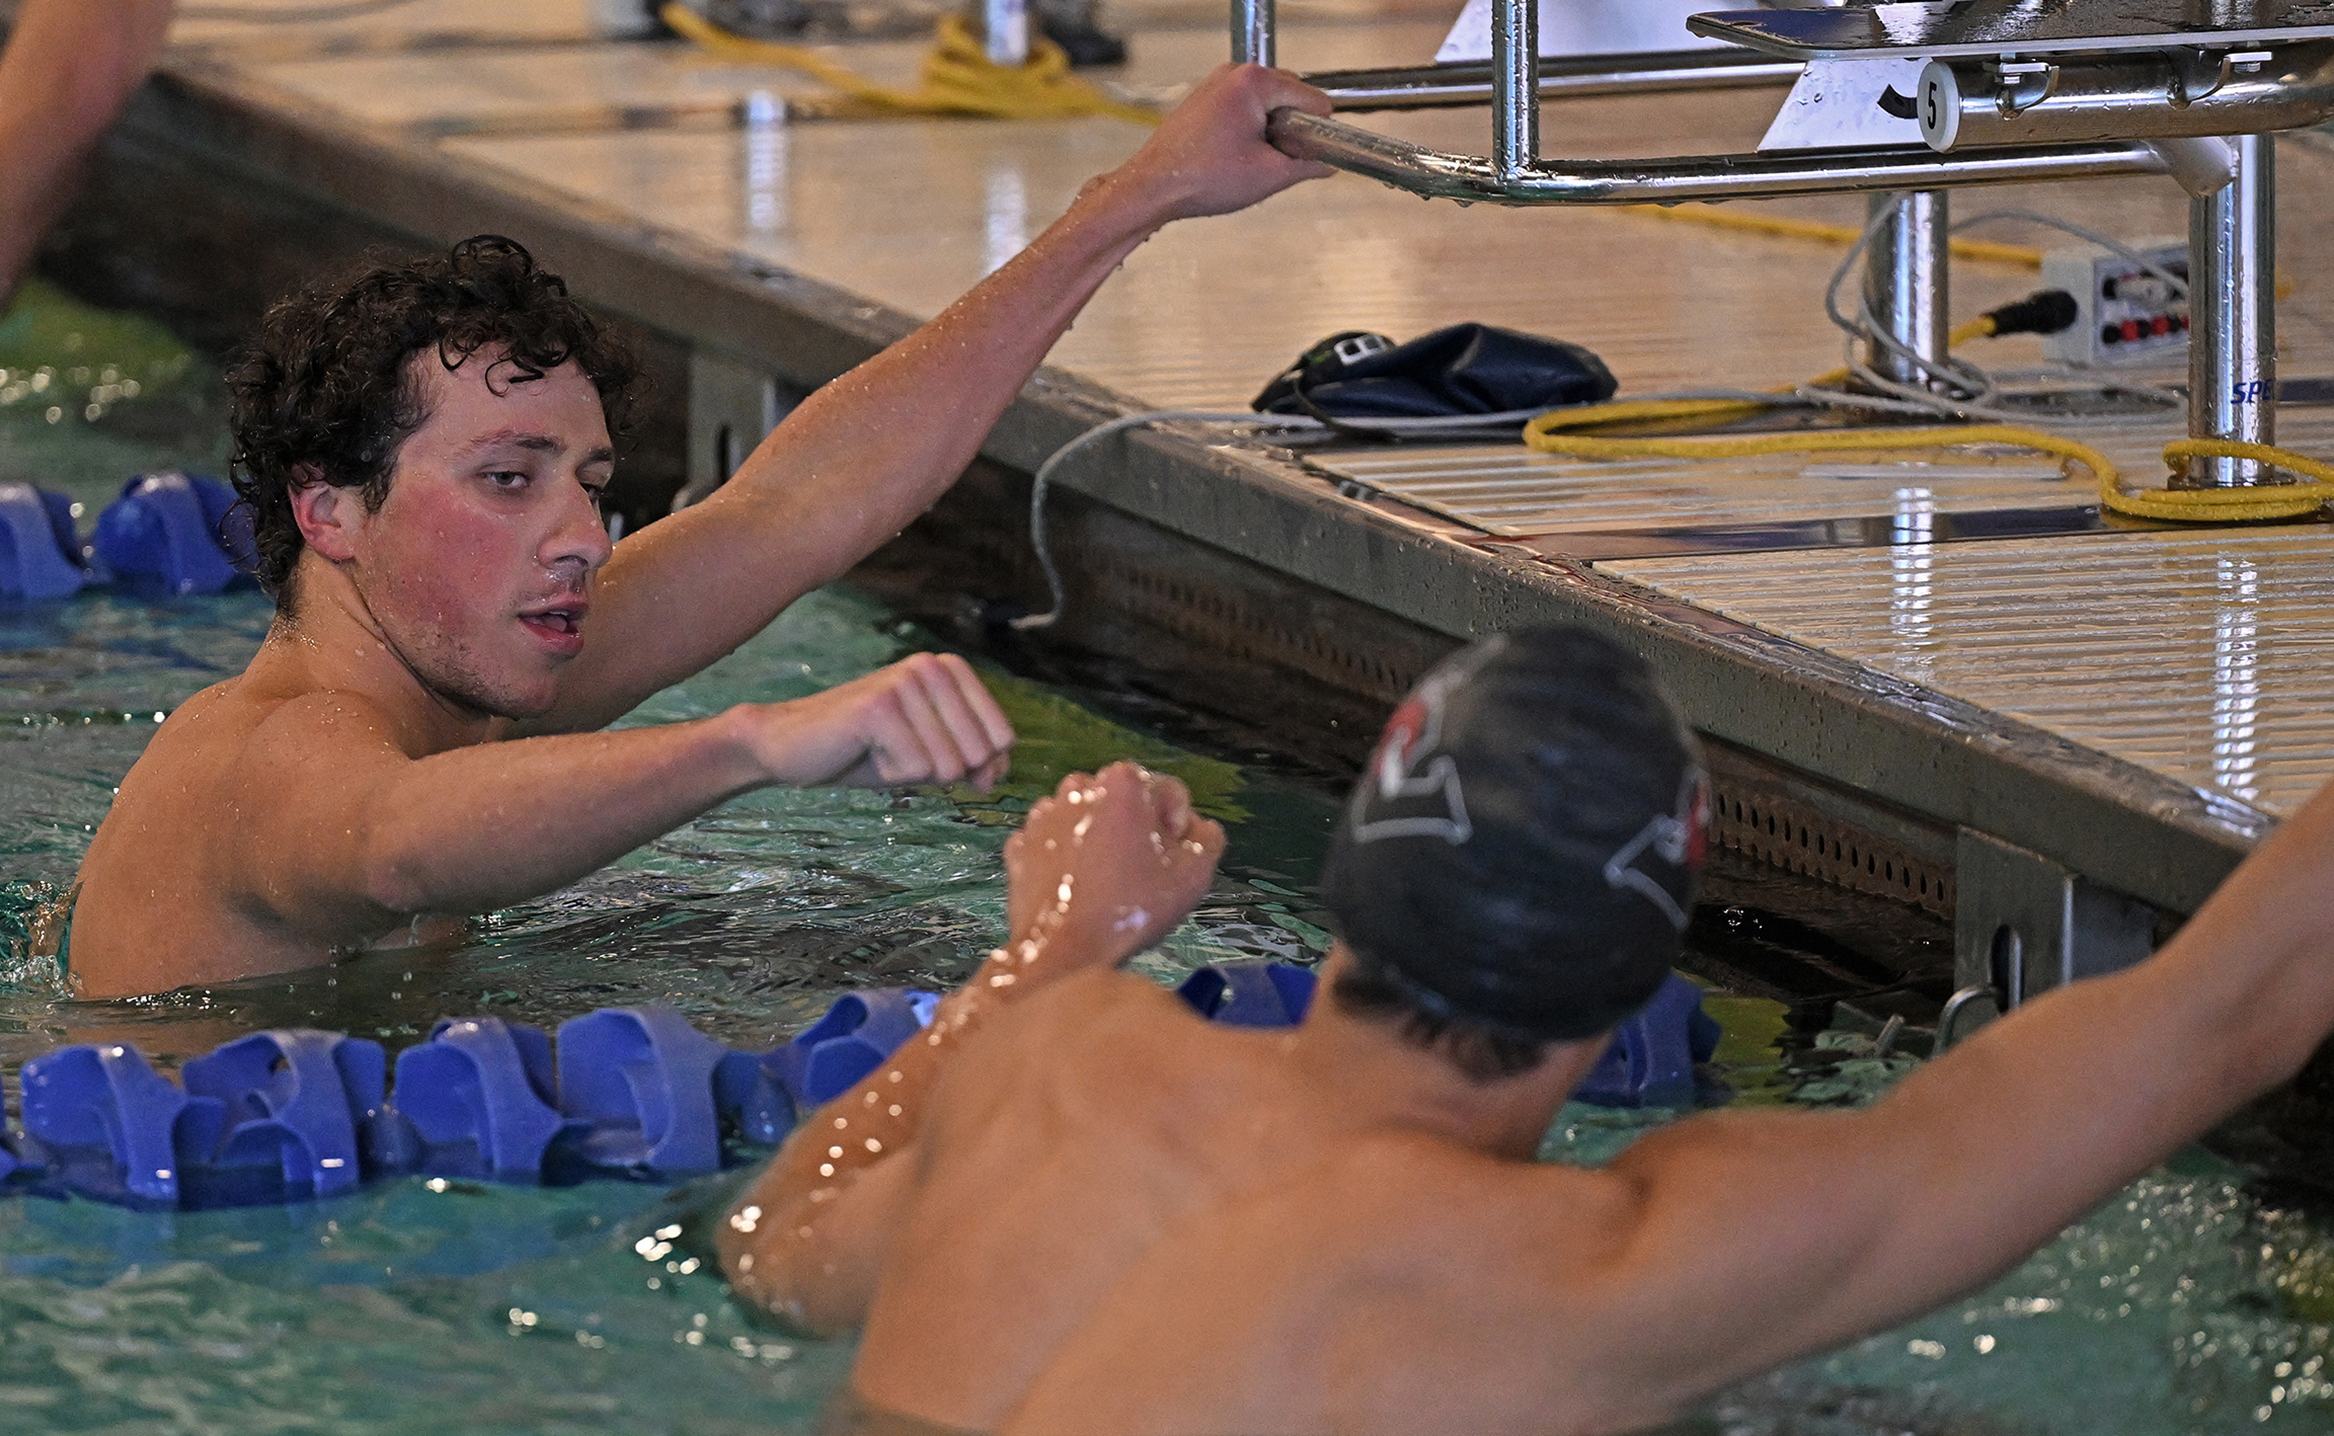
x=537 y=443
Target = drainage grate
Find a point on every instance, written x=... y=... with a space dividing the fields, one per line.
x=1796 y=828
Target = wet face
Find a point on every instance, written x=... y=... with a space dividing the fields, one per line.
x=477 y=569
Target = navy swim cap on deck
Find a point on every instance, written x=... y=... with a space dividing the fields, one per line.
x=1521 y=851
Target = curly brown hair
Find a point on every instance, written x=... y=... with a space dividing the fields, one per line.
x=326 y=387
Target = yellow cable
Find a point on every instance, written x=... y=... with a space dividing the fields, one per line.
x=2023 y=255
x=958 y=78
x=2019 y=254
x=2245 y=505
x=2241 y=505
x=1673 y=411
x=1981 y=327
x=1540 y=434
x=2223 y=506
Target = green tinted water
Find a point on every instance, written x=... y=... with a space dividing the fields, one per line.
x=2183 y=1306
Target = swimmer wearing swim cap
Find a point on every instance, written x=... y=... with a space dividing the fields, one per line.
x=1519 y=855
x=1073 y=1208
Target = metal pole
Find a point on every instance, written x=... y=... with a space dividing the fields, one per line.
x=1005 y=32
x=2232 y=317
x=1515 y=87
x=1905 y=284
x=1254 y=26
x=1714 y=177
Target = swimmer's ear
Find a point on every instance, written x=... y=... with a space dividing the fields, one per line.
x=327 y=515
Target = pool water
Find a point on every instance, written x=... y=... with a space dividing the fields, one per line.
x=2190 y=1303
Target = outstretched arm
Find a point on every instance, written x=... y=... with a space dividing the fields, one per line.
x=339 y=833
x=863 y=456
x=69 y=68
x=1763 y=1236
x=1102 y=870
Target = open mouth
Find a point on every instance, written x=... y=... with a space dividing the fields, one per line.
x=560 y=627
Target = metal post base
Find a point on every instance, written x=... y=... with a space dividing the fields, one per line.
x=1905 y=285
x=2022 y=925
x=1005 y=32
x=2232 y=318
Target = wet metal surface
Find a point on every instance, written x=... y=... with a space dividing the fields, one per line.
x=1509 y=491
x=2202 y=656
x=1513 y=492
x=2014 y=27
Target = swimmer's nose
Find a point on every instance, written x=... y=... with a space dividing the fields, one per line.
x=581 y=534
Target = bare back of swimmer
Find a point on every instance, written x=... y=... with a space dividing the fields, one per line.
x=1074 y=1207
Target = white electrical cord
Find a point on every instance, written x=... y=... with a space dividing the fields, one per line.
x=1278 y=423
x=1975 y=392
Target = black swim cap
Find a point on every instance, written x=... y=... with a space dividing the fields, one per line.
x=1521 y=852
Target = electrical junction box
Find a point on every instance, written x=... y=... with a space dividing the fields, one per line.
x=2124 y=314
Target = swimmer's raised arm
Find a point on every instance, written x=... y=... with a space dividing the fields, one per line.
x=1100 y=871
x=862 y=457
x=1752 y=1238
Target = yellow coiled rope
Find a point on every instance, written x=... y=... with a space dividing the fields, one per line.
x=958 y=77
x=2247 y=505
x=1541 y=434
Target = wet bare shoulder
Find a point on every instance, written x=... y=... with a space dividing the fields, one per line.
x=1100 y=1045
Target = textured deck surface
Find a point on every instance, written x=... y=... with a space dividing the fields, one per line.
x=2203 y=656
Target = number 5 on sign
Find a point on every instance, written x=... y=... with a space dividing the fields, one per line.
x=1937 y=105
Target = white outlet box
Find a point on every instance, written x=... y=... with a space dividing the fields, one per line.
x=2123 y=313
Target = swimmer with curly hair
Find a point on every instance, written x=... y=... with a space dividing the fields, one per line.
x=423 y=449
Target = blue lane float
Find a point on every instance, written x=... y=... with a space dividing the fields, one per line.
x=476 y=1100
x=39 y=556
x=175 y=534
x=1250 y=994
x=834 y=1054
x=656 y=1094
x=168 y=535
x=281 y=1116
x=292 y=1115
x=101 y=1121
x=1649 y=1064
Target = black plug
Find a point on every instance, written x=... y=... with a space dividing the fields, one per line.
x=2046 y=311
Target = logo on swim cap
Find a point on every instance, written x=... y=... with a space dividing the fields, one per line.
x=1413 y=791
x=1677 y=838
